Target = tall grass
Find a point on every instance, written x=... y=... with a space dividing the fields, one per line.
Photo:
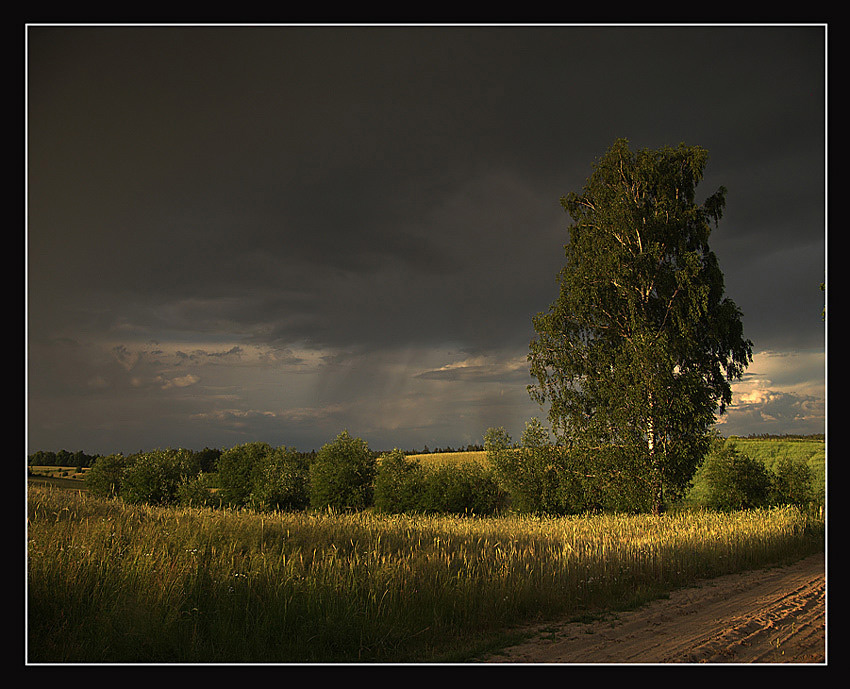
x=109 y=582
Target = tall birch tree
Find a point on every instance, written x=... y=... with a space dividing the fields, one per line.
x=637 y=353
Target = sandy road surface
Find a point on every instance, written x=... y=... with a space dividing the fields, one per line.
x=765 y=616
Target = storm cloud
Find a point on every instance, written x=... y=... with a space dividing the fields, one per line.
x=279 y=232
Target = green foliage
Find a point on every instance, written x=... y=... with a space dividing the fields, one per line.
x=793 y=483
x=281 y=481
x=198 y=491
x=404 y=485
x=155 y=477
x=208 y=459
x=734 y=480
x=237 y=469
x=465 y=488
x=736 y=475
x=342 y=475
x=532 y=475
x=542 y=478
x=104 y=477
x=638 y=350
x=808 y=451
x=609 y=479
x=62 y=458
x=398 y=484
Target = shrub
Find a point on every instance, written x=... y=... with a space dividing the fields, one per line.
x=281 y=481
x=619 y=480
x=793 y=483
x=104 y=477
x=734 y=481
x=462 y=488
x=342 y=475
x=542 y=478
x=399 y=484
x=155 y=477
x=531 y=475
x=198 y=491
x=236 y=472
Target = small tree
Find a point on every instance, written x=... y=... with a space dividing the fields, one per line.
x=793 y=483
x=104 y=476
x=531 y=475
x=208 y=459
x=544 y=478
x=281 y=481
x=398 y=484
x=342 y=475
x=735 y=481
x=237 y=467
x=155 y=477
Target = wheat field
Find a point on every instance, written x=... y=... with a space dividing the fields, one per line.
x=110 y=582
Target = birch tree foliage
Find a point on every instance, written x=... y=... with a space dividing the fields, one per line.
x=639 y=348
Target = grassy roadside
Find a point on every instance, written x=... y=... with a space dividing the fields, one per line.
x=112 y=583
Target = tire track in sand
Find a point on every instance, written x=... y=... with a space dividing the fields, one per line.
x=774 y=615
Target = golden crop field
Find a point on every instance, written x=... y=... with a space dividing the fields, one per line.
x=112 y=582
x=435 y=458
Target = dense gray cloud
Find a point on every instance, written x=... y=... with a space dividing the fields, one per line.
x=274 y=233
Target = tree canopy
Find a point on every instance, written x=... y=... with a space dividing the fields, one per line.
x=637 y=352
x=342 y=474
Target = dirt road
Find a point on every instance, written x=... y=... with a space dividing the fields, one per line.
x=766 y=616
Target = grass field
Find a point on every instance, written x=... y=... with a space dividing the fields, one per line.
x=442 y=457
x=114 y=583
x=58 y=472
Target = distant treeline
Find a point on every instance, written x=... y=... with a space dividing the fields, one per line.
x=62 y=458
x=207 y=457
x=447 y=448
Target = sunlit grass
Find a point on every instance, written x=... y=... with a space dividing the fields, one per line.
x=438 y=458
x=108 y=582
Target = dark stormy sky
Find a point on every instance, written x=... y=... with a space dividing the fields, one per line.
x=275 y=233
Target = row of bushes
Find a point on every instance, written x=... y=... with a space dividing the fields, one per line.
x=730 y=479
x=344 y=475
x=405 y=485
x=542 y=478
x=534 y=477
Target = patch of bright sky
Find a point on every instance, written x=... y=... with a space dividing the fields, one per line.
x=781 y=392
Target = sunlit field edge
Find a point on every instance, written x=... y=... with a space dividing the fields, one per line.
x=114 y=583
